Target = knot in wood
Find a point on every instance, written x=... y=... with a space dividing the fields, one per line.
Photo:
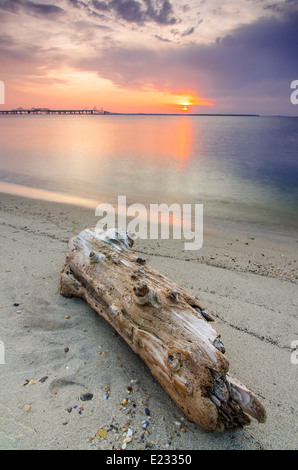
x=140 y=290
x=174 y=295
x=174 y=362
x=96 y=257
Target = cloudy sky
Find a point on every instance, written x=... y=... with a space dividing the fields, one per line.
x=228 y=56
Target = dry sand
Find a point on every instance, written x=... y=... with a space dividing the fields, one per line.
x=57 y=350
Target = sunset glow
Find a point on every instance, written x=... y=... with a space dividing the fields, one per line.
x=149 y=56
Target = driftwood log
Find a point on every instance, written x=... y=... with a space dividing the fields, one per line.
x=163 y=324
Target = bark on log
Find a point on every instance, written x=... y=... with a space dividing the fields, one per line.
x=163 y=324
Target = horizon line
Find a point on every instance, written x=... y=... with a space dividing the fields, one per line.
x=44 y=110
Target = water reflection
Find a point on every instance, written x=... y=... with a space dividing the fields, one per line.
x=234 y=166
x=44 y=195
x=184 y=142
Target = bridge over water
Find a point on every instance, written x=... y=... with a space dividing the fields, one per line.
x=53 y=111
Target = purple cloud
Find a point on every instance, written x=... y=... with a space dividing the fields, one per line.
x=135 y=11
x=38 y=9
x=254 y=60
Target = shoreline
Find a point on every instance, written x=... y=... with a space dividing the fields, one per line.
x=246 y=282
x=218 y=235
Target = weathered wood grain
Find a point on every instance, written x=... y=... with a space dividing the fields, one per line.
x=163 y=324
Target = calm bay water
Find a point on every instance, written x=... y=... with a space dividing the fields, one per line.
x=243 y=169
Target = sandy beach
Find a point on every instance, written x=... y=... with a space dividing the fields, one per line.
x=59 y=353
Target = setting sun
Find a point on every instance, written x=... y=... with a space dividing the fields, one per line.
x=185 y=102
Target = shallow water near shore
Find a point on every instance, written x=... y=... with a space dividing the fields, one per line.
x=244 y=170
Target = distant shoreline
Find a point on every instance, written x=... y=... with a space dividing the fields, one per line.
x=182 y=114
x=39 y=111
x=92 y=112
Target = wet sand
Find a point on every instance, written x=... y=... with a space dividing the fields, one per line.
x=59 y=351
